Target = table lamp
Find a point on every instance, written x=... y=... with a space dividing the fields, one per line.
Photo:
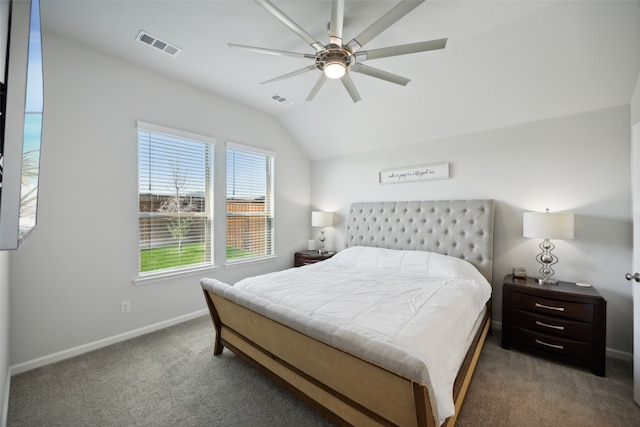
x=545 y=225
x=321 y=219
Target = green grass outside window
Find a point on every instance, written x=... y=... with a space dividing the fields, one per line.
x=170 y=257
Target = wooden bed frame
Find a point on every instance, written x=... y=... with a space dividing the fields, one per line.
x=347 y=389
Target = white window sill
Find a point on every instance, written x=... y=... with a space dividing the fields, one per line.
x=162 y=277
x=243 y=263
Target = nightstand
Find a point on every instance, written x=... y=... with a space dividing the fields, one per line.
x=310 y=257
x=564 y=322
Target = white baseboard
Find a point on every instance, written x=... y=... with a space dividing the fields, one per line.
x=85 y=348
x=620 y=355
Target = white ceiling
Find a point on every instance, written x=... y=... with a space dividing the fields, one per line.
x=506 y=62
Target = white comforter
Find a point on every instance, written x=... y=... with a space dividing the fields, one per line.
x=411 y=311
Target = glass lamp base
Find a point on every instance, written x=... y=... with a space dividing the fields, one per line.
x=546 y=281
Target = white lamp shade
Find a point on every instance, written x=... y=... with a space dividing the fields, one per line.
x=321 y=219
x=556 y=225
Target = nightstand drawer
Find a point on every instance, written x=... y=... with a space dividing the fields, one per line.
x=310 y=257
x=307 y=261
x=551 y=307
x=557 y=326
x=562 y=346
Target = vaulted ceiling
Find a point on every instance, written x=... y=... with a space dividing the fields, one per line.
x=506 y=62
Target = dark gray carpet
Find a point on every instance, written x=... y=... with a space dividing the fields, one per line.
x=510 y=388
x=170 y=377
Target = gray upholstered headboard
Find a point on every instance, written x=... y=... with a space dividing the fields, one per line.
x=460 y=228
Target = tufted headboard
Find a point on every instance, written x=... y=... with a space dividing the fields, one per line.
x=460 y=228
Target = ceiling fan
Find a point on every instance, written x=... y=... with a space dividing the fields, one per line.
x=335 y=60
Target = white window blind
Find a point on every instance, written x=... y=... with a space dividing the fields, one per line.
x=175 y=200
x=249 y=203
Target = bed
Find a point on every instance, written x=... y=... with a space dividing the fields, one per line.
x=375 y=364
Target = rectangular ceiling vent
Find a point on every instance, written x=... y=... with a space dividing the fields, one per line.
x=148 y=39
x=281 y=99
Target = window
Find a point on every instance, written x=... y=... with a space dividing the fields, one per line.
x=249 y=203
x=175 y=200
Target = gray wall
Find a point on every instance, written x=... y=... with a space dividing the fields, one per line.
x=68 y=278
x=576 y=163
x=4 y=333
x=635 y=104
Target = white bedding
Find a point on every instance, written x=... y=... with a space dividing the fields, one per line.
x=410 y=311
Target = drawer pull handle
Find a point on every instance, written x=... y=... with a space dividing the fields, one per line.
x=546 y=325
x=548 y=307
x=559 y=347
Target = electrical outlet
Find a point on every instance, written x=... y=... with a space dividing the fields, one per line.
x=125 y=306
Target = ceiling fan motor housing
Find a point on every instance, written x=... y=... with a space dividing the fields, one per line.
x=335 y=56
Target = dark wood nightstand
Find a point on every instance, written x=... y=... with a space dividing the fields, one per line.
x=310 y=257
x=565 y=322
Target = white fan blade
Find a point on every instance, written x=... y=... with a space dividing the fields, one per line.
x=380 y=74
x=337 y=22
x=384 y=22
x=292 y=74
x=270 y=51
x=316 y=87
x=404 y=49
x=279 y=15
x=350 y=87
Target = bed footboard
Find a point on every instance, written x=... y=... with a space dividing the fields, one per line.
x=345 y=388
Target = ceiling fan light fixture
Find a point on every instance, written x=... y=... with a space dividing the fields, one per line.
x=335 y=69
x=335 y=60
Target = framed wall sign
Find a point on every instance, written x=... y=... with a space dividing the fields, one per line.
x=415 y=173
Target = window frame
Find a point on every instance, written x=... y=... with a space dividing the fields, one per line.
x=209 y=213
x=230 y=145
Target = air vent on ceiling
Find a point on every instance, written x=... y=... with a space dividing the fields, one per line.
x=148 y=39
x=281 y=99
